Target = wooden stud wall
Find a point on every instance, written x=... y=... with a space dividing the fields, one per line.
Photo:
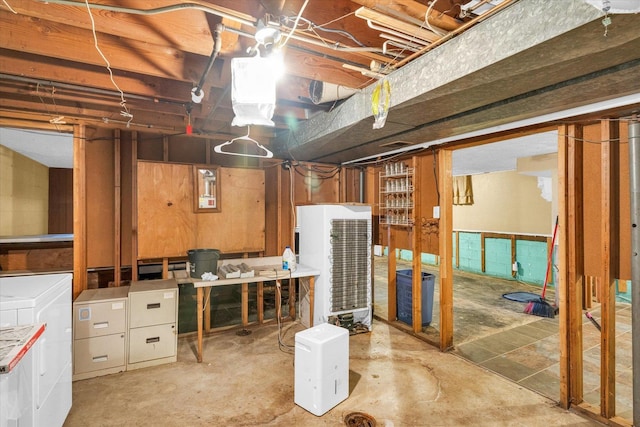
x=416 y=265
x=79 y=212
x=446 y=251
x=609 y=200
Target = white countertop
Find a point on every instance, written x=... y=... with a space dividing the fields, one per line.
x=37 y=238
x=263 y=273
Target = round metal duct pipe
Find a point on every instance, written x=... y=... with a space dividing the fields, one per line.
x=321 y=92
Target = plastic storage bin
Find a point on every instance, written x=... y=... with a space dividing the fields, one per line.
x=404 y=296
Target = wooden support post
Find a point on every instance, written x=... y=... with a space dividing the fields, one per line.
x=165 y=148
x=117 y=210
x=245 y=304
x=260 y=302
x=571 y=262
x=207 y=309
x=165 y=268
x=292 y=298
x=610 y=188
x=278 y=300
x=79 y=211
x=199 y=308
x=392 y=310
x=416 y=242
x=134 y=206
x=446 y=228
x=483 y=263
x=244 y=308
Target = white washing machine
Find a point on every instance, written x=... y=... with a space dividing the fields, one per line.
x=35 y=299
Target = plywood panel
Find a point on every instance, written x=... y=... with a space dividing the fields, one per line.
x=240 y=225
x=99 y=197
x=166 y=221
x=591 y=200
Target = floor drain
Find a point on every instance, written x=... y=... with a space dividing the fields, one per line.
x=359 y=419
x=243 y=332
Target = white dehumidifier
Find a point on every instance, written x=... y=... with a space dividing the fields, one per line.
x=321 y=367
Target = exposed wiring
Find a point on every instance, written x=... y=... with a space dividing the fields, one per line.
x=435 y=173
x=287 y=348
x=337 y=19
x=295 y=23
x=313 y=27
x=123 y=103
x=426 y=19
x=9 y=6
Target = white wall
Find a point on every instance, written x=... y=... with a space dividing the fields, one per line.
x=505 y=202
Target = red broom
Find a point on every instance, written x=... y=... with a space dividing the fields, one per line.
x=541 y=307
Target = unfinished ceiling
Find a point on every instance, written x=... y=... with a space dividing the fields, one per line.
x=473 y=64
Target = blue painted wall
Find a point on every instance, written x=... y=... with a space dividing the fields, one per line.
x=469 y=252
x=532 y=261
x=531 y=257
x=497 y=257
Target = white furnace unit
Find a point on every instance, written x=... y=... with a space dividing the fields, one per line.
x=336 y=239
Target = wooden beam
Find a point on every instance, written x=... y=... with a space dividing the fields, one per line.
x=70 y=43
x=79 y=211
x=421 y=33
x=414 y=10
x=54 y=70
x=610 y=161
x=321 y=68
x=446 y=227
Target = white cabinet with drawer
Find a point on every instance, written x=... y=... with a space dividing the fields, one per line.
x=100 y=332
x=153 y=328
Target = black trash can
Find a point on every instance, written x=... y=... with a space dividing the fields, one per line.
x=404 y=293
x=203 y=261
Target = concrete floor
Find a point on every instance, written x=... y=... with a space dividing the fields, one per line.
x=248 y=381
x=495 y=334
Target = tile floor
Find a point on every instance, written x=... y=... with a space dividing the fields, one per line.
x=494 y=333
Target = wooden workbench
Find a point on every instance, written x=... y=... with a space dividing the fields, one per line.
x=266 y=269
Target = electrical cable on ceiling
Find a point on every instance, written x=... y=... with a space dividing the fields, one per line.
x=295 y=23
x=9 y=6
x=313 y=27
x=57 y=119
x=125 y=112
x=426 y=19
